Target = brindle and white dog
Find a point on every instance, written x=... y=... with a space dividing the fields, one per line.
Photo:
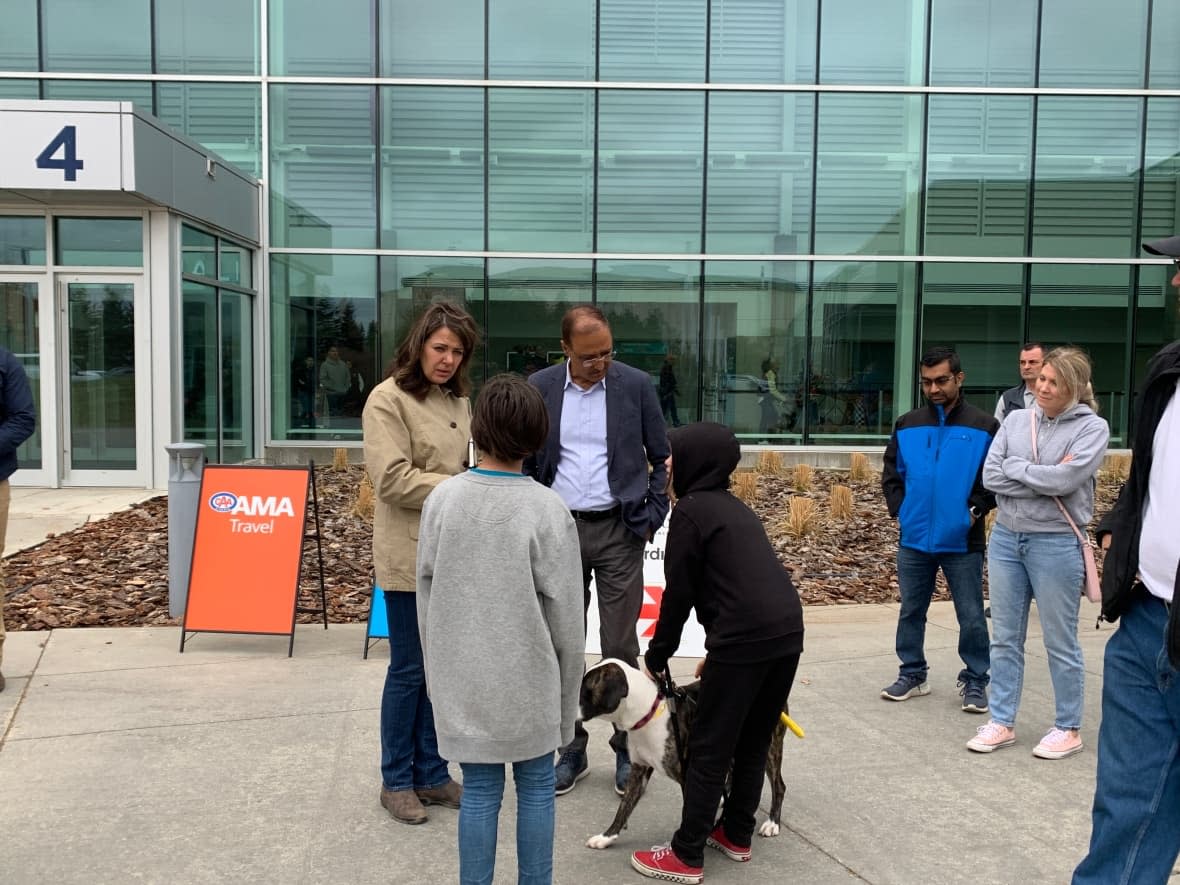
x=626 y=697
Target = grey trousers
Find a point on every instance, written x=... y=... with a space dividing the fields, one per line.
x=613 y=554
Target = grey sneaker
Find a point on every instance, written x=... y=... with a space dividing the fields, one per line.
x=570 y=768
x=974 y=697
x=905 y=688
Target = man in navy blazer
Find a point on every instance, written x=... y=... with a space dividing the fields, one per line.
x=605 y=456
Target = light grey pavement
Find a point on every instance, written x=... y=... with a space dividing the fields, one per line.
x=36 y=513
x=122 y=760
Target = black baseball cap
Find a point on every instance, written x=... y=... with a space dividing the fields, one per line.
x=1169 y=246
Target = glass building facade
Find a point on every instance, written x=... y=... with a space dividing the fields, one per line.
x=797 y=193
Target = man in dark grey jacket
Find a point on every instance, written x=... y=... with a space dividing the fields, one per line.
x=17 y=421
x=605 y=457
x=1032 y=355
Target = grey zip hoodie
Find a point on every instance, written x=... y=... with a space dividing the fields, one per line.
x=1025 y=486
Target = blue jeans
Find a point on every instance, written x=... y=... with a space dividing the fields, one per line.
x=1046 y=567
x=964 y=576
x=409 y=745
x=479 y=817
x=1136 y=835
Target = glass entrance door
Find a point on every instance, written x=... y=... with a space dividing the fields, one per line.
x=20 y=307
x=103 y=407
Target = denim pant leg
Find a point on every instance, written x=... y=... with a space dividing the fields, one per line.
x=964 y=578
x=409 y=745
x=479 y=820
x=1054 y=564
x=1136 y=817
x=535 y=819
x=1011 y=594
x=915 y=582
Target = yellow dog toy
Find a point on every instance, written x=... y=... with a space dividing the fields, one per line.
x=791 y=725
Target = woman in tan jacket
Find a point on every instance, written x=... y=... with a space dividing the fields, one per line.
x=417 y=423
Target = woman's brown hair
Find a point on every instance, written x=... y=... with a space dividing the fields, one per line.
x=406 y=367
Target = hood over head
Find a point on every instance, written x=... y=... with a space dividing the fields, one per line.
x=704 y=455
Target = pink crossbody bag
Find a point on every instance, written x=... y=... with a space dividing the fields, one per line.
x=1091 y=586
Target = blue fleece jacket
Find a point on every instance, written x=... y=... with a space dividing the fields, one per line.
x=17 y=414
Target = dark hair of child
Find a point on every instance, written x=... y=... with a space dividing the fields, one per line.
x=509 y=420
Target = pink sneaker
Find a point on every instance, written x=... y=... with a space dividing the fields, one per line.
x=662 y=863
x=717 y=839
x=1058 y=744
x=992 y=736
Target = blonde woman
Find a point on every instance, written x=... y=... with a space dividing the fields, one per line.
x=1033 y=552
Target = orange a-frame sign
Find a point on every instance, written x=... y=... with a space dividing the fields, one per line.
x=247 y=551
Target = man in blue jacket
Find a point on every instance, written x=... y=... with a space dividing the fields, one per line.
x=17 y=420
x=933 y=486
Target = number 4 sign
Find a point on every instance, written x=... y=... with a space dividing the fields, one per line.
x=60 y=149
x=66 y=142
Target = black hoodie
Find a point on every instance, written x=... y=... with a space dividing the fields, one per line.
x=719 y=561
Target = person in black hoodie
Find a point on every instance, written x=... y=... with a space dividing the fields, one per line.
x=719 y=561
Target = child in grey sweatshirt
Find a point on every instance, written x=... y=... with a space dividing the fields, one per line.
x=499 y=583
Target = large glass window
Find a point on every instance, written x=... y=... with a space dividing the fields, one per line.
x=983 y=43
x=658 y=40
x=18 y=37
x=109 y=37
x=409 y=285
x=1165 y=45
x=867 y=185
x=1085 y=202
x=540 y=41
x=752 y=41
x=199 y=366
x=979 y=150
x=22 y=239
x=872 y=42
x=99 y=242
x=323 y=310
x=755 y=349
x=1084 y=43
x=526 y=301
x=137 y=92
x=1161 y=169
x=322 y=167
x=20 y=89
x=758 y=196
x=310 y=37
x=432 y=168
x=224 y=117
x=541 y=174
x=649 y=171
x=1088 y=306
x=1157 y=320
x=210 y=37
x=444 y=38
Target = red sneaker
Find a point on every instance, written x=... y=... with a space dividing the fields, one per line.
x=662 y=863
x=717 y=839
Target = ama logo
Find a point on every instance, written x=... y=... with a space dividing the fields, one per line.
x=251 y=505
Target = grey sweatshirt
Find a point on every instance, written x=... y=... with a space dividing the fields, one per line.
x=500 y=612
x=1025 y=487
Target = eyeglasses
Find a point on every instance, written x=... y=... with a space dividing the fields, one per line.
x=940 y=381
x=590 y=362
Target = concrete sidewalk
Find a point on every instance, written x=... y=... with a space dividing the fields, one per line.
x=123 y=760
x=36 y=513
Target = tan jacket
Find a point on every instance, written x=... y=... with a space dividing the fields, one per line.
x=410 y=447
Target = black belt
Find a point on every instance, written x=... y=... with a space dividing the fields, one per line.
x=1147 y=596
x=596 y=515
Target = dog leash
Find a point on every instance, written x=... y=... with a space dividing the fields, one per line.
x=668 y=687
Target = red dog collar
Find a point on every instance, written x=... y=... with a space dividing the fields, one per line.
x=650 y=713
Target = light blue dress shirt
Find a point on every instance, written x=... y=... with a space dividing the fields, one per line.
x=581 y=478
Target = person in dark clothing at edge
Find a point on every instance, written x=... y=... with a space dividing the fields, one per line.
x=933 y=486
x=719 y=561
x=1136 y=815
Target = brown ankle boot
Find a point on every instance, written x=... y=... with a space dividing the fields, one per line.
x=403 y=805
x=448 y=795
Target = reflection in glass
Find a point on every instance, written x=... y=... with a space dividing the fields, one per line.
x=649 y=171
x=541 y=175
x=237 y=377
x=983 y=43
x=19 y=89
x=751 y=41
x=410 y=285
x=199 y=366
x=659 y=40
x=526 y=301
x=1165 y=45
x=18 y=39
x=224 y=117
x=321 y=303
x=1084 y=45
x=322 y=171
x=134 y=91
x=19 y=334
x=22 y=239
x=210 y=37
x=872 y=42
x=759 y=176
x=99 y=242
x=755 y=348
x=443 y=38
x=1161 y=169
x=868 y=181
x=1157 y=320
x=198 y=254
x=540 y=41
x=979 y=152
x=101 y=360
x=432 y=168
x=310 y=37
x=108 y=37
x=1085 y=201
x=234 y=264
x=1088 y=306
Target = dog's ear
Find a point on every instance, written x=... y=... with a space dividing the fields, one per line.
x=616 y=687
x=603 y=688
